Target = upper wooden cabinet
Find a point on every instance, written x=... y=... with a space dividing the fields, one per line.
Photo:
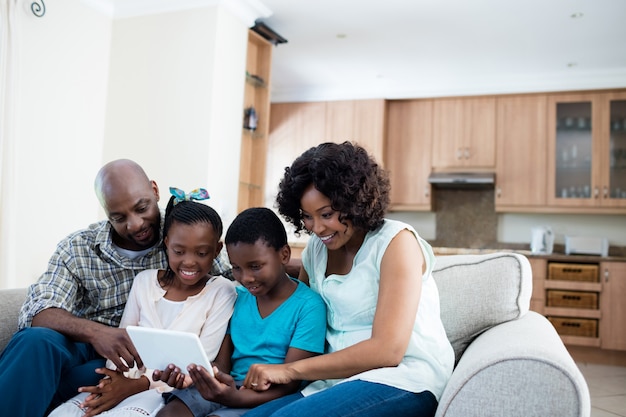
x=296 y=127
x=408 y=153
x=587 y=152
x=360 y=121
x=464 y=133
x=521 y=153
x=254 y=142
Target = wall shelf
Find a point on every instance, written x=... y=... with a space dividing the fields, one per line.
x=254 y=142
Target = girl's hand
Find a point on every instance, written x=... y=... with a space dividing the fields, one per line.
x=112 y=389
x=172 y=376
x=221 y=388
x=261 y=377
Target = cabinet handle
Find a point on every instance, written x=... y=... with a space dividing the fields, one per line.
x=605 y=192
x=459 y=153
x=426 y=191
x=467 y=153
x=596 y=192
x=498 y=192
x=606 y=275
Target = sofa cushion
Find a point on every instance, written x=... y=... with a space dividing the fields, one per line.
x=478 y=292
x=11 y=301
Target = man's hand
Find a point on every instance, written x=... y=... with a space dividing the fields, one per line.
x=114 y=343
x=112 y=390
x=110 y=342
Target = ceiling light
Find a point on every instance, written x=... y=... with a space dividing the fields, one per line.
x=341 y=36
x=572 y=64
x=576 y=15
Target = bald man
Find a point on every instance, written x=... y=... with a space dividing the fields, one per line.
x=68 y=324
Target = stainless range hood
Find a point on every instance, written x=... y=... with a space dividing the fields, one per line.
x=462 y=180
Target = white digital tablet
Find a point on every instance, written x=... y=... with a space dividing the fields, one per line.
x=158 y=348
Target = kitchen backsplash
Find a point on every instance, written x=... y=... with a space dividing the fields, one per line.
x=468 y=219
x=465 y=218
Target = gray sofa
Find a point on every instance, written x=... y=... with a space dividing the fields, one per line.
x=510 y=361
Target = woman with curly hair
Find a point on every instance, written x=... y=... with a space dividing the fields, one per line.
x=387 y=350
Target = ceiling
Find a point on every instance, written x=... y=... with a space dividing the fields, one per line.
x=350 y=49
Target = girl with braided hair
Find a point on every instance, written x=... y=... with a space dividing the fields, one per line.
x=183 y=297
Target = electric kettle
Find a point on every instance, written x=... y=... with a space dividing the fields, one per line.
x=542 y=240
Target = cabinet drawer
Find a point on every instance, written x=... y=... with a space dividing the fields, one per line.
x=575 y=299
x=573 y=272
x=569 y=326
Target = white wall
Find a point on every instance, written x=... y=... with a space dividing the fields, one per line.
x=175 y=100
x=60 y=91
x=516 y=228
x=164 y=89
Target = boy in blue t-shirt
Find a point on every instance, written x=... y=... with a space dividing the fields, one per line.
x=276 y=319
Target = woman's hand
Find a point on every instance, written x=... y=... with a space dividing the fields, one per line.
x=172 y=376
x=261 y=377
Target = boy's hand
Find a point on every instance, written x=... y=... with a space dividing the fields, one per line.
x=172 y=376
x=221 y=388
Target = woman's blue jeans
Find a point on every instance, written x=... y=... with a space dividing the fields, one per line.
x=352 y=398
x=41 y=368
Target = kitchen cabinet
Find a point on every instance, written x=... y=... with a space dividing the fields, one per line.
x=408 y=153
x=521 y=153
x=464 y=133
x=613 y=276
x=254 y=138
x=360 y=121
x=539 y=267
x=296 y=127
x=587 y=152
x=572 y=291
x=583 y=300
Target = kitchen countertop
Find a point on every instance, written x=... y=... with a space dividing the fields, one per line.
x=555 y=256
x=616 y=254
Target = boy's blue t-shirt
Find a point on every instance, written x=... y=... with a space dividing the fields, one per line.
x=299 y=322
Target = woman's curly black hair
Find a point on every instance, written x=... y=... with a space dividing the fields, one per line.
x=356 y=185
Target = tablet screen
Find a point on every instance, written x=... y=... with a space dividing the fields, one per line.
x=158 y=348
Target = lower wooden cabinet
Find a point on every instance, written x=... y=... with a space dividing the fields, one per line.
x=613 y=306
x=539 y=266
x=584 y=301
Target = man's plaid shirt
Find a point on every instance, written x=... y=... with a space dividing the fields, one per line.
x=89 y=278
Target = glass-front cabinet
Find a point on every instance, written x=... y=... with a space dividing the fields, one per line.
x=587 y=150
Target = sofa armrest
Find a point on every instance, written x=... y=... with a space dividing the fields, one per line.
x=517 y=368
x=11 y=301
